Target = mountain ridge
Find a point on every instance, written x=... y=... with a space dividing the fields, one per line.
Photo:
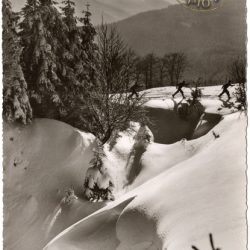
x=109 y=10
x=210 y=40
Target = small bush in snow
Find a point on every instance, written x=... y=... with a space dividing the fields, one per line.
x=241 y=96
x=237 y=72
x=196 y=93
x=96 y=161
x=69 y=196
x=98 y=183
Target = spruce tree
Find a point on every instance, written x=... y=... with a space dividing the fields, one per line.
x=69 y=15
x=88 y=34
x=43 y=39
x=83 y=51
x=89 y=31
x=16 y=106
x=76 y=61
x=55 y=59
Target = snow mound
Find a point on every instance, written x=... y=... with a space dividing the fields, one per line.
x=175 y=182
x=41 y=161
x=120 y=162
x=197 y=195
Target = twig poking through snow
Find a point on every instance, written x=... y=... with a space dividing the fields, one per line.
x=211 y=242
x=195 y=248
x=216 y=136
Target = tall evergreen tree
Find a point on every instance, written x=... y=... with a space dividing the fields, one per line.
x=88 y=29
x=79 y=47
x=43 y=37
x=74 y=59
x=88 y=34
x=55 y=58
x=69 y=15
x=16 y=106
x=82 y=50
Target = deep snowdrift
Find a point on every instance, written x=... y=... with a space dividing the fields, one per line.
x=206 y=193
x=169 y=196
x=41 y=161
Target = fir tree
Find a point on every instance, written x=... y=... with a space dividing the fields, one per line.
x=88 y=29
x=69 y=15
x=81 y=49
x=55 y=59
x=16 y=106
x=78 y=61
x=74 y=60
x=88 y=34
x=42 y=34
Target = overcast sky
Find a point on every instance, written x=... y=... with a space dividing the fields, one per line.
x=112 y=10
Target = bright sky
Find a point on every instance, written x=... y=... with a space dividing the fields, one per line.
x=112 y=10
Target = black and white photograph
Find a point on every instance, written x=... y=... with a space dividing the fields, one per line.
x=124 y=124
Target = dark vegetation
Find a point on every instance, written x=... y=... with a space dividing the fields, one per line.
x=16 y=105
x=209 y=40
x=57 y=65
x=63 y=68
x=109 y=107
x=153 y=71
x=93 y=191
x=237 y=72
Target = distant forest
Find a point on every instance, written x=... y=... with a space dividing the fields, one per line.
x=210 y=40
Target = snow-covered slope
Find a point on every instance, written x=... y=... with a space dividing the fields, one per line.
x=168 y=196
x=41 y=161
x=204 y=193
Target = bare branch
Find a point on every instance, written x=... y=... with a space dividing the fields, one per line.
x=110 y=107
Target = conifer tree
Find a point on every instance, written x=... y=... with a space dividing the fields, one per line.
x=78 y=46
x=81 y=50
x=74 y=59
x=88 y=29
x=16 y=106
x=55 y=58
x=48 y=61
x=88 y=34
x=43 y=38
x=69 y=15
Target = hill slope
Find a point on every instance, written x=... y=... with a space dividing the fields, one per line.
x=167 y=194
x=210 y=39
x=41 y=161
x=181 y=204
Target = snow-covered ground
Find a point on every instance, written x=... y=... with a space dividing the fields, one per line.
x=170 y=192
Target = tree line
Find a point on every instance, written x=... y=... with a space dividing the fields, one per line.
x=153 y=71
x=58 y=65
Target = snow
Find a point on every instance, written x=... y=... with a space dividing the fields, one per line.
x=41 y=161
x=162 y=98
x=181 y=206
x=173 y=186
